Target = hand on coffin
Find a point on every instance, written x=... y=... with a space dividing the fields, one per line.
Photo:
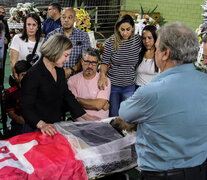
x=47 y=129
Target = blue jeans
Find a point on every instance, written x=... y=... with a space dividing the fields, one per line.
x=119 y=94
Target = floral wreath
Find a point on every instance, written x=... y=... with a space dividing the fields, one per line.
x=18 y=14
x=83 y=20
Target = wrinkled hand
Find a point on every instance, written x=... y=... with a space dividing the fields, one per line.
x=119 y=124
x=106 y=106
x=47 y=129
x=102 y=82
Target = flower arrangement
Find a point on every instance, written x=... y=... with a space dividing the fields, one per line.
x=83 y=20
x=201 y=31
x=145 y=18
x=100 y=47
x=17 y=15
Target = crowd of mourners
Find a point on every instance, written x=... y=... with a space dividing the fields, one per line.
x=149 y=80
x=127 y=63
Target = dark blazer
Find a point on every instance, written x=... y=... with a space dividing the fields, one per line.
x=41 y=98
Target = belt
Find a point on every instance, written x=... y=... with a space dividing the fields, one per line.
x=174 y=172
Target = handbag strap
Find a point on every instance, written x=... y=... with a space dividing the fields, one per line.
x=35 y=48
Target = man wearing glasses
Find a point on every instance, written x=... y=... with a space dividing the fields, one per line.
x=84 y=86
x=53 y=22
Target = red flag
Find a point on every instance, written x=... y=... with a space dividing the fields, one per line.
x=34 y=156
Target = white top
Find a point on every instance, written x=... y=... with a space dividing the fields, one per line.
x=25 y=48
x=145 y=72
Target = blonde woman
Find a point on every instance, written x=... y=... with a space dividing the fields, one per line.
x=44 y=91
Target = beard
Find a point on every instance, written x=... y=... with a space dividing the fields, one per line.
x=89 y=72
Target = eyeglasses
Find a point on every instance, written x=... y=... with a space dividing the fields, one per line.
x=93 y=63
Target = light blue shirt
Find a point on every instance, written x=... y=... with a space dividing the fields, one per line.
x=171 y=112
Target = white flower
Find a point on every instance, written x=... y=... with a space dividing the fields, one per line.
x=36 y=10
x=27 y=5
x=19 y=5
x=10 y=20
x=23 y=9
x=13 y=11
x=17 y=14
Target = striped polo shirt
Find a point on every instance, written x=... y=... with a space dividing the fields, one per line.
x=122 y=63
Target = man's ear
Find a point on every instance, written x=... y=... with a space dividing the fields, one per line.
x=81 y=61
x=166 y=54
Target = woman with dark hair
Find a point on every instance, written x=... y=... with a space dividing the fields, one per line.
x=24 y=43
x=121 y=55
x=146 y=67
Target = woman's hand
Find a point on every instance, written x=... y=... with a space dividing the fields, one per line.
x=102 y=82
x=47 y=129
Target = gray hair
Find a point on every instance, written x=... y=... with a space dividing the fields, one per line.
x=54 y=47
x=180 y=40
x=91 y=52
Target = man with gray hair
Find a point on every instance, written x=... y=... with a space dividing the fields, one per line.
x=84 y=86
x=171 y=111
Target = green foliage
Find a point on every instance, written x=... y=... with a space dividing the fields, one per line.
x=150 y=13
x=161 y=20
x=142 y=12
x=92 y=12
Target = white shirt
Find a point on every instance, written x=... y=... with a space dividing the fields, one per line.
x=25 y=48
x=145 y=72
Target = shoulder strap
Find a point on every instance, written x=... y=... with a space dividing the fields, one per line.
x=35 y=48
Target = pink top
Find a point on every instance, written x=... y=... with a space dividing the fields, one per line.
x=88 y=89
